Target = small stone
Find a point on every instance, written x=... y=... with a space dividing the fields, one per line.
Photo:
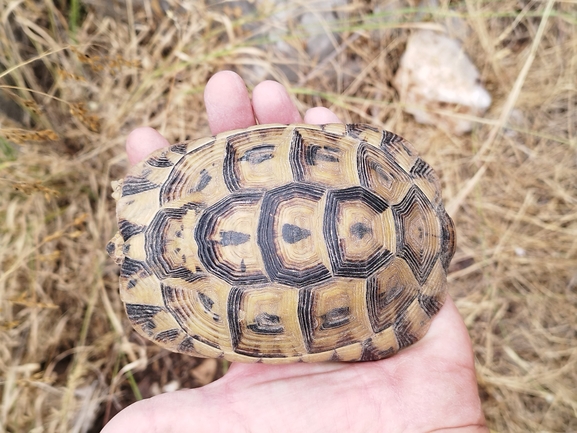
x=173 y=385
x=435 y=74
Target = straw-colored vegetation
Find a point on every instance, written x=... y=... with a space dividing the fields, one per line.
x=74 y=81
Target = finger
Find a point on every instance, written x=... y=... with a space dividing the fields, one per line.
x=272 y=104
x=227 y=103
x=183 y=411
x=143 y=141
x=321 y=115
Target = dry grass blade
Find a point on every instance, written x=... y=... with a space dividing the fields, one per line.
x=73 y=85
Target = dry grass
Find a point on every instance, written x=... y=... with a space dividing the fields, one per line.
x=77 y=86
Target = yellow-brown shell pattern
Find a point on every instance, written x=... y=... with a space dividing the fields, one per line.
x=284 y=243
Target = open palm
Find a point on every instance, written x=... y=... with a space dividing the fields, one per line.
x=430 y=386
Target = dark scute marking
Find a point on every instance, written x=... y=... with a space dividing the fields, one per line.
x=179 y=148
x=400 y=328
x=268 y=324
x=304 y=312
x=143 y=315
x=374 y=304
x=168 y=294
x=389 y=296
x=125 y=248
x=381 y=172
x=204 y=180
x=171 y=188
x=359 y=230
x=167 y=336
x=159 y=161
x=296 y=153
x=205 y=341
x=389 y=138
x=135 y=185
x=355 y=129
x=316 y=153
x=371 y=353
x=421 y=169
x=131 y=284
x=292 y=234
x=234 y=300
x=336 y=317
x=229 y=167
x=430 y=304
x=448 y=238
x=233 y=238
x=206 y=302
x=110 y=248
x=137 y=312
x=185 y=274
x=335 y=356
x=242 y=266
x=258 y=154
x=128 y=229
x=186 y=346
x=131 y=267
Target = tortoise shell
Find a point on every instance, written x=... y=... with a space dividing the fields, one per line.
x=284 y=243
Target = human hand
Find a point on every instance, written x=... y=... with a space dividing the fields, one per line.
x=429 y=386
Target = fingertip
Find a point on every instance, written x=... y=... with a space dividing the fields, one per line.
x=227 y=102
x=272 y=104
x=321 y=115
x=142 y=141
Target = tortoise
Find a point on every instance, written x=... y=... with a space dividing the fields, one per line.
x=283 y=243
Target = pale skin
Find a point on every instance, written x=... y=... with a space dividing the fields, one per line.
x=428 y=387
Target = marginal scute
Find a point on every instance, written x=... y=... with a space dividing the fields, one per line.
x=136 y=184
x=432 y=294
x=400 y=150
x=280 y=244
x=382 y=345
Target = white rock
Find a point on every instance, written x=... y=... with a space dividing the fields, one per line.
x=434 y=74
x=173 y=385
